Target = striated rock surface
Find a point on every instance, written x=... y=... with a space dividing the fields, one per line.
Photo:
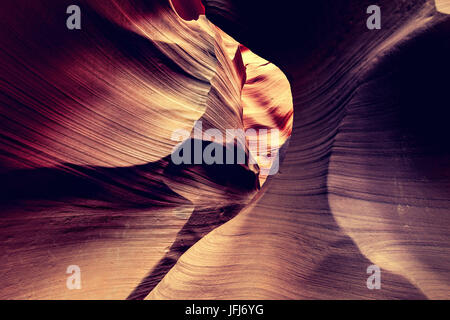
x=365 y=179
x=88 y=122
x=87 y=129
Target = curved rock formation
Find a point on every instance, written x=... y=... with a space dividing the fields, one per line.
x=88 y=123
x=88 y=118
x=365 y=179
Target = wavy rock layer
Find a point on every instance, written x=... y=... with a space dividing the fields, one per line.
x=87 y=124
x=87 y=121
x=365 y=179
